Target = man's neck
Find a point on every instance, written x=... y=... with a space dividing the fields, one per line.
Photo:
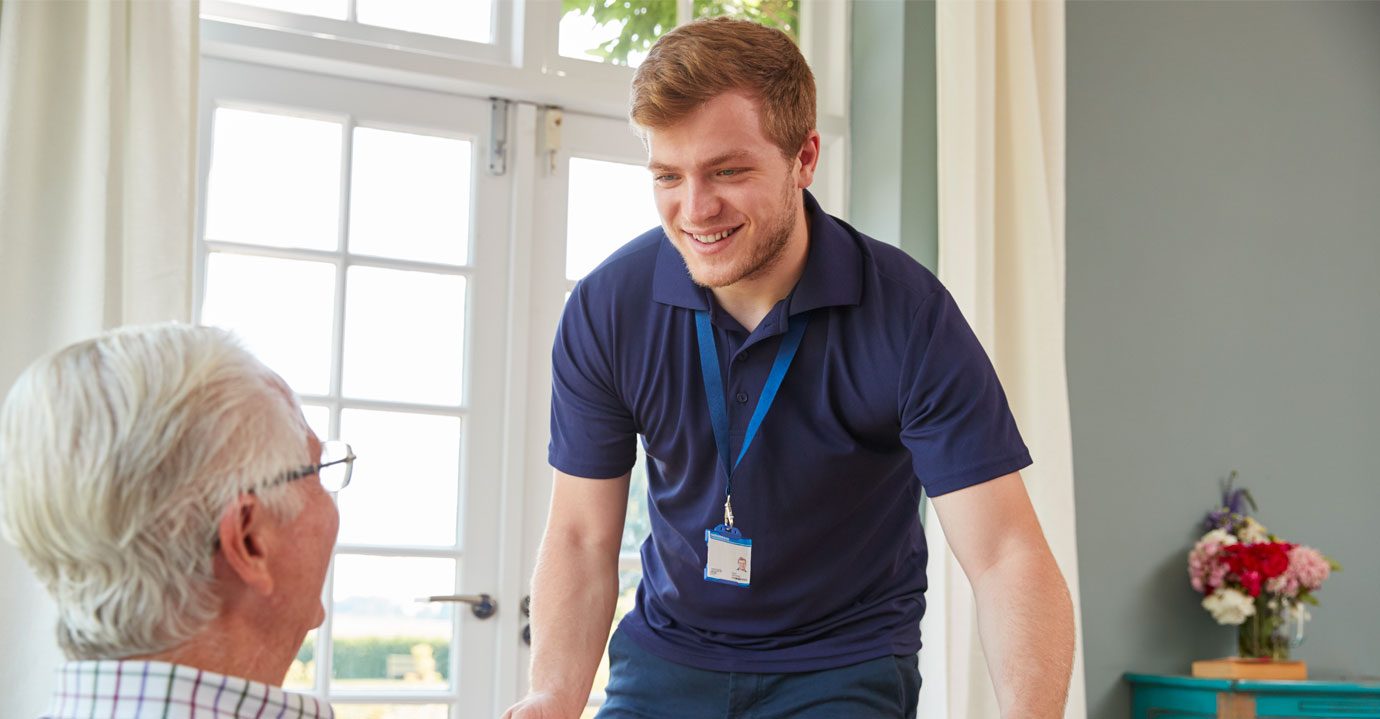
x=236 y=653
x=750 y=300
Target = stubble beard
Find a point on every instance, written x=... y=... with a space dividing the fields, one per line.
x=765 y=256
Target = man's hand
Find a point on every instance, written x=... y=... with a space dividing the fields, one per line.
x=1025 y=615
x=542 y=705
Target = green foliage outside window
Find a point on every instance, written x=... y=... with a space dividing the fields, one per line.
x=367 y=657
x=644 y=21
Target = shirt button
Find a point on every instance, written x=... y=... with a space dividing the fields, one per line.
x=742 y=398
x=741 y=356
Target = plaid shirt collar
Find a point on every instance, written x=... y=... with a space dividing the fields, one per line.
x=157 y=690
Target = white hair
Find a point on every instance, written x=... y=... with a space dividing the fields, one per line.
x=118 y=456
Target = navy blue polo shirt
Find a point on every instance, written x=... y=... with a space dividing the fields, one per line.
x=890 y=390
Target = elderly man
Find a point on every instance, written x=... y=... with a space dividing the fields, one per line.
x=163 y=485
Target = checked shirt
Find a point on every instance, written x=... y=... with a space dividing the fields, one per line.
x=157 y=690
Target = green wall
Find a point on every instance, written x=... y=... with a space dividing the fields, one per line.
x=892 y=193
x=1223 y=312
x=1223 y=294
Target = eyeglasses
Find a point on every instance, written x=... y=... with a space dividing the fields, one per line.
x=336 y=466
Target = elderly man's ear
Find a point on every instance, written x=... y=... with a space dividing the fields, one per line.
x=246 y=537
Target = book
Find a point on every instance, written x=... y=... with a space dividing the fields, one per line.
x=1241 y=668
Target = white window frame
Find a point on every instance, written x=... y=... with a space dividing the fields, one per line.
x=498 y=51
x=478 y=458
x=530 y=68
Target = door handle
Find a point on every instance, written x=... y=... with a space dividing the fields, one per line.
x=527 y=612
x=482 y=606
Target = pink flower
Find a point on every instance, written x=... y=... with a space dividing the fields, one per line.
x=1206 y=570
x=1308 y=569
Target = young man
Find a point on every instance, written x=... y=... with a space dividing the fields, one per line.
x=166 y=490
x=795 y=384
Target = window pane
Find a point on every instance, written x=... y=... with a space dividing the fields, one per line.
x=637 y=525
x=620 y=33
x=302 y=674
x=410 y=196
x=405 y=483
x=461 y=19
x=381 y=636
x=319 y=419
x=781 y=14
x=404 y=336
x=321 y=8
x=281 y=308
x=390 y=711
x=274 y=180
x=609 y=204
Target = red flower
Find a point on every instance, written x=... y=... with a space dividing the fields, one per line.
x=1254 y=564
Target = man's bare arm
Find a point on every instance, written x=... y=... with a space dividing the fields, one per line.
x=1025 y=614
x=574 y=589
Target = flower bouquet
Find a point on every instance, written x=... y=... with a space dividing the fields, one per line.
x=1252 y=580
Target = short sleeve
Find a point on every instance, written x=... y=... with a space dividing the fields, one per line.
x=954 y=416
x=592 y=432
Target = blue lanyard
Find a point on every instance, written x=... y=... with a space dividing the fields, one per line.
x=714 y=391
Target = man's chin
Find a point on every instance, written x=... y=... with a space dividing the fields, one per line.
x=712 y=278
x=709 y=283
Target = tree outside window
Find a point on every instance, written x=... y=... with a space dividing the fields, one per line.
x=643 y=21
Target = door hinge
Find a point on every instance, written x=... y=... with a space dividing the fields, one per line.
x=498 y=135
x=552 y=119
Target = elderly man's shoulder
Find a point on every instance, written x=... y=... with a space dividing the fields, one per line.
x=136 y=689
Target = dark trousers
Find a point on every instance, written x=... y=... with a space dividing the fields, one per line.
x=642 y=686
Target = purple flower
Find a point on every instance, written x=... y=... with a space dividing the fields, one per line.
x=1217 y=519
x=1235 y=500
x=1233 y=510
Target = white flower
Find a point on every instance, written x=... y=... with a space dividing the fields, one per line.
x=1217 y=536
x=1229 y=606
x=1253 y=531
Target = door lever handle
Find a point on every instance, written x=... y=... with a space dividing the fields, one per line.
x=482 y=606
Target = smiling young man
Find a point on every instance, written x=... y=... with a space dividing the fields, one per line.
x=795 y=385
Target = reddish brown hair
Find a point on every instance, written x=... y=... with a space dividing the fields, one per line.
x=701 y=60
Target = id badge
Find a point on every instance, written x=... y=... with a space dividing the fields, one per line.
x=729 y=557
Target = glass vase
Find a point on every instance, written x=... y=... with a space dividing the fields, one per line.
x=1264 y=635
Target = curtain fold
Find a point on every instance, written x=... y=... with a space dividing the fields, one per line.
x=98 y=106
x=1000 y=103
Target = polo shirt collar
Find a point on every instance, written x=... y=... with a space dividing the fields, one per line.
x=832 y=277
x=671 y=283
x=833 y=274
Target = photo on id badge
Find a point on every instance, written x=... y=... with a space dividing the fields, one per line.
x=729 y=559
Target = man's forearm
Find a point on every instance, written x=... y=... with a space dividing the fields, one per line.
x=574 y=590
x=1025 y=618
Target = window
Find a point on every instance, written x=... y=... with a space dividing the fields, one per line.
x=348 y=234
x=472 y=29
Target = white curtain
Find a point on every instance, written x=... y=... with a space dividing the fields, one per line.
x=1000 y=104
x=97 y=208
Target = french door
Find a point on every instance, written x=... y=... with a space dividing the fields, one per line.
x=402 y=258
x=353 y=236
x=593 y=193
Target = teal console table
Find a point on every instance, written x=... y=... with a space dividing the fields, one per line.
x=1169 y=697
